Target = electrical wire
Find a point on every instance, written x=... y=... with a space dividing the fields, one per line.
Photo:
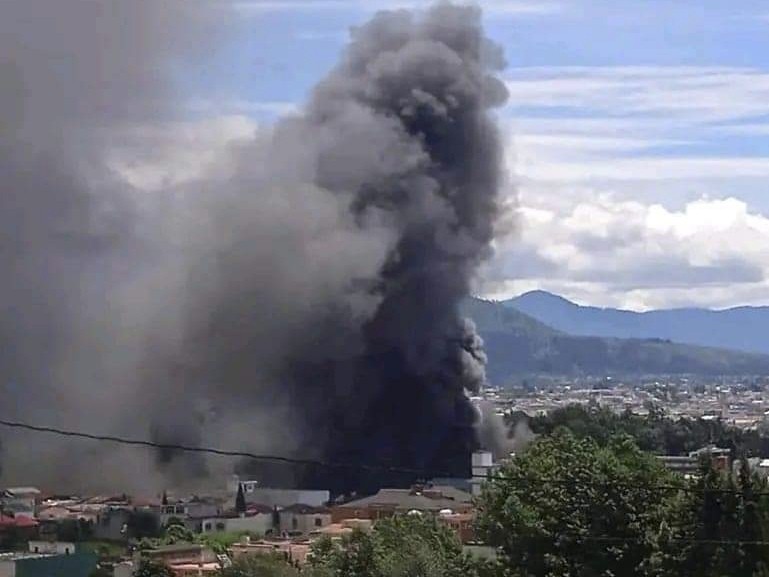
x=419 y=473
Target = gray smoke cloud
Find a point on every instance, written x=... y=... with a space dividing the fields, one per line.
x=72 y=74
x=302 y=300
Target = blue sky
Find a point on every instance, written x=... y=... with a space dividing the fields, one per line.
x=637 y=136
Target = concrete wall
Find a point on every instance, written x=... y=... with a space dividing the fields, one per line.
x=7 y=569
x=78 y=565
x=303 y=522
x=286 y=497
x=125 y=569
x=261 y=524
x=48 y=547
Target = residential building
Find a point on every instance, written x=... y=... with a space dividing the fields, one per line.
x=283 y=497
x=343 y=529
x=462 y=524
x=51 y=547
x=46 y=565
x=690 y=464
x=302 y=519
x=20 y=501
x=428 y=499
x=682 y=465
x=15 y=529
x=292 y=551
x=192 y=508
x=258 y=519
x=181 y=554
x=483 y=467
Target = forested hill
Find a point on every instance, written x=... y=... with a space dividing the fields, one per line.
x=742 y=328
x=520 y=345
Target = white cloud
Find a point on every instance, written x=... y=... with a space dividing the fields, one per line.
x=695 y=93
x=600 y=249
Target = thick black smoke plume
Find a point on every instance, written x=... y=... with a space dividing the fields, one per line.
x=300 y=299
x=398 y=141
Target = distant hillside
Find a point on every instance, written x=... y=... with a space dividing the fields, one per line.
x=744 y=328
x=518 y=344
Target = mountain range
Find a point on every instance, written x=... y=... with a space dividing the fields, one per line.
x=743 y=328
x=518 y=345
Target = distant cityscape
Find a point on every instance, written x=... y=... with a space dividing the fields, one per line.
x=738 y=401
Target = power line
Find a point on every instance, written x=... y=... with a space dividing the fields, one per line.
x=214 y=450
x=419 y=473
x=197 y=449
x=380 y=468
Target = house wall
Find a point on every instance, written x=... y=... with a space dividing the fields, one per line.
x=79 y=565
x=261 y=524
x=7 y=569
x=192 y=555
x=339 y=514
x=56 y=547
x=26 y=506
x=125 y=569
x=285 y=497
x=303 y=522
x=184 y=511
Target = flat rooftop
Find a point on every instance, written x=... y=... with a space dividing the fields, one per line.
x=24 y=555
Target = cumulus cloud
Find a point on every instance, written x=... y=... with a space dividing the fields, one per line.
x=600 y=249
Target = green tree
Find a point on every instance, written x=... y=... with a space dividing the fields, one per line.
x=240 y=500
x=403 y=546
x=148 y=568
x=260 y=566
x=723 y=523
x=176 y=532
x=571 y=506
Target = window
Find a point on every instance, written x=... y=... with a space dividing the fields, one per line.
x=318 y=522
x=294 y=523
x=220 y=527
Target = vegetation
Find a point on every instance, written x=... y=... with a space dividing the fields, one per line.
x=653 y=432
x=260 y=566
x=220 y=542
x=571 y=505
x=149 y=568
x=398 y=547
x=240 y=500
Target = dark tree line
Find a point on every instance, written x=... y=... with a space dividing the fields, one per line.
x=654 y=432
x=570 y=506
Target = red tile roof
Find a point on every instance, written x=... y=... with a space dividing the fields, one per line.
x=20 y=522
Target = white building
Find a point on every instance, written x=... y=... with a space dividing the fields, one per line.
x=277 y=497
x=483 y=467
x=52 y=547
x=21 y=500
x=260 y=521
